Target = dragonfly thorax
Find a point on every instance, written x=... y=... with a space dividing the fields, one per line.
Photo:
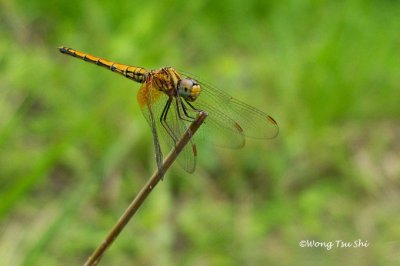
x=189 y=89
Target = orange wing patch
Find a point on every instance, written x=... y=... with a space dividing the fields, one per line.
x=143 y=96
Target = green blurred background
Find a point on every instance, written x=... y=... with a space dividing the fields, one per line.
x=75 y=148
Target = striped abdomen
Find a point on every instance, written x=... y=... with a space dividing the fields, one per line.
x=137 y=74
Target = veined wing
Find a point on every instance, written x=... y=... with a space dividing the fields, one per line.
x=146 y=97
x=232 y=118
x=152 y=103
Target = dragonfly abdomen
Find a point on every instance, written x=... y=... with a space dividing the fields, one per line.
x=137 y=74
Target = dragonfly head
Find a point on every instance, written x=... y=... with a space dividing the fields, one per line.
x=189 y=89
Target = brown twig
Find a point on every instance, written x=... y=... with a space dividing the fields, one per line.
x=145 y=191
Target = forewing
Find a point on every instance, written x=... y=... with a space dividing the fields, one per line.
x=237 y=116
x=176 y=127
x=147 y=97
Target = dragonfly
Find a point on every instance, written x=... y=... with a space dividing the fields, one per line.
x=170 y=101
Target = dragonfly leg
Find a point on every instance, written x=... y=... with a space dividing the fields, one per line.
x=186 y=116
x=194 y=108
x=184 y=108
x=163 y=119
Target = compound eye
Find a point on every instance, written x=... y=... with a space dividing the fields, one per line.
x=185 y=87
x=186 y=83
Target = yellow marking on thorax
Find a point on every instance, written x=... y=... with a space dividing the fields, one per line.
x=174 y=75
x=165 y=80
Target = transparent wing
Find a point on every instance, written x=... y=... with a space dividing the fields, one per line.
x=176 y=127
x=229 y=119
x=219 y=128
x=171 y=130
x=147 y=97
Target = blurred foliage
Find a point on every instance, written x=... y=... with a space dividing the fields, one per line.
x=75 y=149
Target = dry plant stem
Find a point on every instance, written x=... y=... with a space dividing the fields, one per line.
x=145 y=191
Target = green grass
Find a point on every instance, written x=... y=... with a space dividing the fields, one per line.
x=75 y=149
